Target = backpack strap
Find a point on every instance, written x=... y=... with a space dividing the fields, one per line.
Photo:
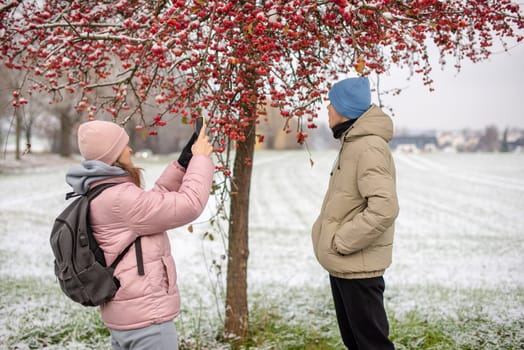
x=71 y=195
x=90 y=195
x=139 y=259
x=121 y=255
x=95 y=191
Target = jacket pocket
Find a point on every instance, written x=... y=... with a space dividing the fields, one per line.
x=334 y=246
x=170 y=273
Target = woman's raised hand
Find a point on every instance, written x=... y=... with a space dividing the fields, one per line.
x=202 y=145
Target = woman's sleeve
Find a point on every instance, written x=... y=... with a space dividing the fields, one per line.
x=170 y=179
x=174 y=201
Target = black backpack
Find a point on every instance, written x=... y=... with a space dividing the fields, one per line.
x=80 y=266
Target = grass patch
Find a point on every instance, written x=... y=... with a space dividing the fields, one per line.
x=416 y=330
x=7 y=256
x=272 y=326
x=35 y=315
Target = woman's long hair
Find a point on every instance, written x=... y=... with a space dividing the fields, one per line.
x=134 y=172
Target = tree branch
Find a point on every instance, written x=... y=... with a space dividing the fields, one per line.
x=7 y=7
x=75 y=24
x=110 y=38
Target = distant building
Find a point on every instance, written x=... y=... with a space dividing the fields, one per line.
x=516 y=145
x=414 y=143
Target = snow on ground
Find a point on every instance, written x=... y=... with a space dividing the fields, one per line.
x=460 y=231
x=461 y=221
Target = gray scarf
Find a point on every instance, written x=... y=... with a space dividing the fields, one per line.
x=80 y=176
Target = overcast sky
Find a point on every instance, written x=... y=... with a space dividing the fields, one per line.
x=486 y=93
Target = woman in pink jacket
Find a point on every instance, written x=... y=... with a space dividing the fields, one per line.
x=141 y=314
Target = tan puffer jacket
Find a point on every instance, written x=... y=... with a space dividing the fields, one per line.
x=353 y=235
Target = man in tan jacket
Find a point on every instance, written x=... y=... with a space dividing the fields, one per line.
x=353 y=235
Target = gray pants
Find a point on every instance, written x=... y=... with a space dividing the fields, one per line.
x=155 y=337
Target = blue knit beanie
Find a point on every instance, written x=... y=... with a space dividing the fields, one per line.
x=351 y=97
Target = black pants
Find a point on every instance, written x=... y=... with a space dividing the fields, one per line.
x=361 y=316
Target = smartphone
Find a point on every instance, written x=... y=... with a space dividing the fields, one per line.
x=199 y=123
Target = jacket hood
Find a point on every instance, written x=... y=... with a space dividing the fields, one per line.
x=81 y=176
x=373 y=122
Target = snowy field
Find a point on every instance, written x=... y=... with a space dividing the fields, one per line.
x=459 y=244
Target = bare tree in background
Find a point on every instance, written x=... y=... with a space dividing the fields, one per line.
x=489 y=142
x=9 y=87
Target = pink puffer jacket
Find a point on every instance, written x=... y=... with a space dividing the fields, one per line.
x=123 y=212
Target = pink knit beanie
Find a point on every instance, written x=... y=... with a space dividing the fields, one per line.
x=100 y=140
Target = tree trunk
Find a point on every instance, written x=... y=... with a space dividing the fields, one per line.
x=66 y=130
x=28 y=134
x=18 y=132
x=236 y=322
